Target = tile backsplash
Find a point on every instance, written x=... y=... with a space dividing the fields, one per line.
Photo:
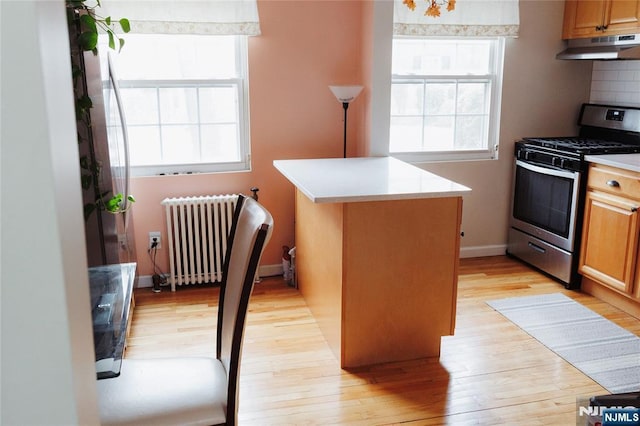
x=616 y=82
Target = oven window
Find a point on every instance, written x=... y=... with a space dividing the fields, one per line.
x=543 y=200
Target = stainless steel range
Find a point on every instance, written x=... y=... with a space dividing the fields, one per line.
x=549 y=186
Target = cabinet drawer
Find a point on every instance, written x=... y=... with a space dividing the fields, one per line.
x=614 y=181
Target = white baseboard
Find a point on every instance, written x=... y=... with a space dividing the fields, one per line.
x=483 y=251
x=263 y=271
x=275 y=270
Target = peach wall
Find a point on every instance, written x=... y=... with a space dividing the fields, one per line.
x=305 y=46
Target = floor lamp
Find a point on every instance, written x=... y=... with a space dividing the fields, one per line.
x=345 y=94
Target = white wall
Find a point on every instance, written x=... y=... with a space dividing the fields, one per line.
x=616 y=82
x=48 y=372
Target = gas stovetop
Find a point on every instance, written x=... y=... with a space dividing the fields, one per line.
x=582 y=145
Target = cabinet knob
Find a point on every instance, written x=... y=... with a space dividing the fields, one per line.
x=613 y=183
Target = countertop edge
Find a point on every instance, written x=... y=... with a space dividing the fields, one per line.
x=458 y=192
x=629 y=162
x=395 y=197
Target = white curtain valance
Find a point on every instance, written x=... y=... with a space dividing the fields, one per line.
x=470 y=18
x=219 y=17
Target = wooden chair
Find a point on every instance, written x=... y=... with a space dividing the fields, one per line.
x=196 y=390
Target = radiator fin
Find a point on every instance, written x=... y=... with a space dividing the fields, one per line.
x=197 y=232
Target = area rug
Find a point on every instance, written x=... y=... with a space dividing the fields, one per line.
x=602 y=350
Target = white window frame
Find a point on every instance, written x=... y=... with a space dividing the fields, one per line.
x=241 y=82
x=495 y=87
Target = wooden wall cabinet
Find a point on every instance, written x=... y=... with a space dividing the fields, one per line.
x=595 y=18
x=611 y=235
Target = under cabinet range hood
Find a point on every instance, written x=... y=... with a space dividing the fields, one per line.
x=605 y=47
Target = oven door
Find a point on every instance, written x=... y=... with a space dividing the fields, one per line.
x=545 y=203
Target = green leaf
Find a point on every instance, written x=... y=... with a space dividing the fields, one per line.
x=85 y=181
x=121 y=40
x=84 y=162
x=89 y=21
x=113 y=205
x=107 y=20
x=130 y=198
x=88 y=209
x=112 y=43
x=88 y=40
x=76 y=71
x=125 y=24
x=85 y=102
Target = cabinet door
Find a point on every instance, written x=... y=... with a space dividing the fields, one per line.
x=594 y=18
x=582 y=18
x=623 y=16
x=610 y=241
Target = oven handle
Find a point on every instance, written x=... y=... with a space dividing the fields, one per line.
x=547 y=170
x=536 y=247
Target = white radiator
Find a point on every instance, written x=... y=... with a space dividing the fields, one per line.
x=197 y=232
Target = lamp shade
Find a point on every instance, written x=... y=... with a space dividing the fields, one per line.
x=346 y=93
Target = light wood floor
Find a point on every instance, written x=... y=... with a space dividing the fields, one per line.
x=490 y=372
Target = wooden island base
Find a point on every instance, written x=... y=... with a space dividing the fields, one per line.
x=380 y=277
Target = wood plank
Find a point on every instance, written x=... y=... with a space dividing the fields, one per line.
x=488 y=372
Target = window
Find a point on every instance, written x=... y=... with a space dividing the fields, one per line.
x=186 y=103
x=445 y=98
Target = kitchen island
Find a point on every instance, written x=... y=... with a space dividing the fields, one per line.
x=377 y=250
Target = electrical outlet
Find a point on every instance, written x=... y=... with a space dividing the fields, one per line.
x=154 y=237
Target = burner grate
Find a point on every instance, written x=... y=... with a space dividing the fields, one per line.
x=584 y=145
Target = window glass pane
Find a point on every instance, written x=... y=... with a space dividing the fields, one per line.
x=470 y=132
x=178 y=105
x=144 y=145
x=141 y=105
x=406 y=134
x=441 y=98
x=218 y=104
x=407 y=99
x=439 y=132
x=438 y=56
x=180 y=144
x=472 y=98
x=171 y=57
x=219 y=143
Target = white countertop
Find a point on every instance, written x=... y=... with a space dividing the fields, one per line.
x=622 y=161
x=339 y=180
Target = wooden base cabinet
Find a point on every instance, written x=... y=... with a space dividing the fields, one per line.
x=380 y=277
x=595 y=18
x=611 y=234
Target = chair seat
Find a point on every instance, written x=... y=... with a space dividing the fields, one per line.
x=172 y=391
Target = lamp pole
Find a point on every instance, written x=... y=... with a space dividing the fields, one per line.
x=345 y=105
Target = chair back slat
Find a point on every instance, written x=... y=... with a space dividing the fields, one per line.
x=253 y=229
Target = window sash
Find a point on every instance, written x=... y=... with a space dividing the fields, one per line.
x=161 y=124
x=492 y=80
x=238 y=83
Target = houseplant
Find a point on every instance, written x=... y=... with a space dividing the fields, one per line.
x=85 y=24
